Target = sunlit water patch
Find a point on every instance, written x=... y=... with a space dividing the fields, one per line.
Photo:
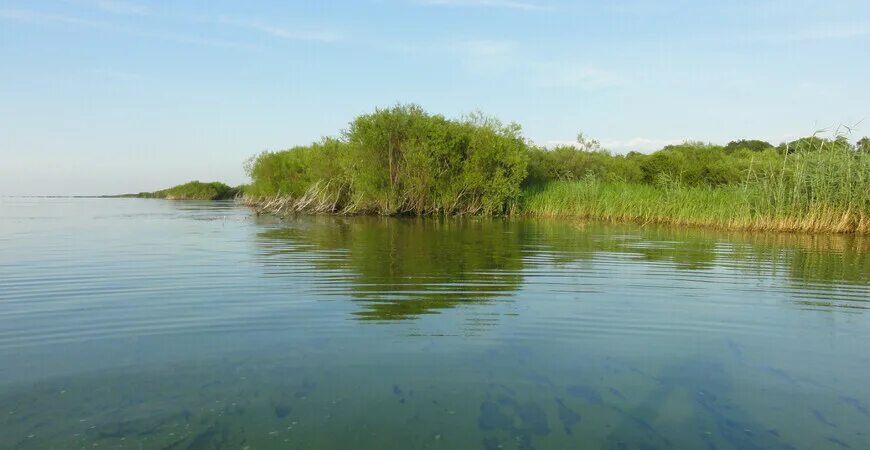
x=194 y=325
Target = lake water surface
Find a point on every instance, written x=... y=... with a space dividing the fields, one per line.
x=128 y=323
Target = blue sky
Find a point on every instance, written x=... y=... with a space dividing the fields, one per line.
x=108 y=96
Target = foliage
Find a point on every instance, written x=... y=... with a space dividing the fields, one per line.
x=814 y=143
x=195 y=190
x=690 y=163
x=400 y=160
x=569 y=163
x=814 y=189
x=752 y=145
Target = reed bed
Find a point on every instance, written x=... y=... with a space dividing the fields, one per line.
x=824 y=190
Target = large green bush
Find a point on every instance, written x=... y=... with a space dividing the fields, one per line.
x=752 y=145
x=567 y=163
x=691 y=163
x=401 y=160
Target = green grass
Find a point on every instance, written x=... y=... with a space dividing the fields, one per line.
x=826 y=190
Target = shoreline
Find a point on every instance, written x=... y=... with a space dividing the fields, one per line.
x=283 y=207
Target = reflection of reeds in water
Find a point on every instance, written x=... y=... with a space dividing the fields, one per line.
x=815 y=264
x=404 y=268
x=827 y=272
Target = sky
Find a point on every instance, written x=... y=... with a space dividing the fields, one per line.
x=112 y=96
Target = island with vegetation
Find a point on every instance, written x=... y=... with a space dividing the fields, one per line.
x=405 y=161
x=194 y=190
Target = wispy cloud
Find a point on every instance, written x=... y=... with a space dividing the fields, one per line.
x=505 y=4
x=566 y=74
x=638 y=144
x=622 y=146
x=192 y=39
x=295 y=33
x=25 y=16
x=121 y=7
x=482 y=55
x=831 y=32
x=38 y=18
x=112 y=74
x=496 y=57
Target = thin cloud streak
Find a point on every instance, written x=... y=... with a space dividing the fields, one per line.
x=301 y=34
x=33 y=17
x=504 y=4
x=838 y=32
x=121 y=7
x=494 y=58
x=111 y=74
x=572 y=74
x=638 y=144
x=622 y=146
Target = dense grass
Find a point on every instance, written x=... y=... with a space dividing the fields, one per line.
x=823 y=190
x=403 y=160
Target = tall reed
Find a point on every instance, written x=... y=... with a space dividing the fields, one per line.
x=824 y=189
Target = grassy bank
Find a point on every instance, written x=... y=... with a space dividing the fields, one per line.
x=826 y=190
x=734 y=208
x=404 y=161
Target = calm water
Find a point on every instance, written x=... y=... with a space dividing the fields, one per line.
x=152 y=324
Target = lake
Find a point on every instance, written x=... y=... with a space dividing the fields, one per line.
x=131 y=323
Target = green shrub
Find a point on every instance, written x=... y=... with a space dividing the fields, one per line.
x=400 y=160
x=814 y=143
x=691 y=163
x=196 y=190
x=752 y=145
x=567 y=163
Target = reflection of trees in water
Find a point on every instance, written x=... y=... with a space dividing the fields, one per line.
x=402 y=268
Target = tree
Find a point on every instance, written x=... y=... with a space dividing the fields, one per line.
x=754 y=145
x=587 y=144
